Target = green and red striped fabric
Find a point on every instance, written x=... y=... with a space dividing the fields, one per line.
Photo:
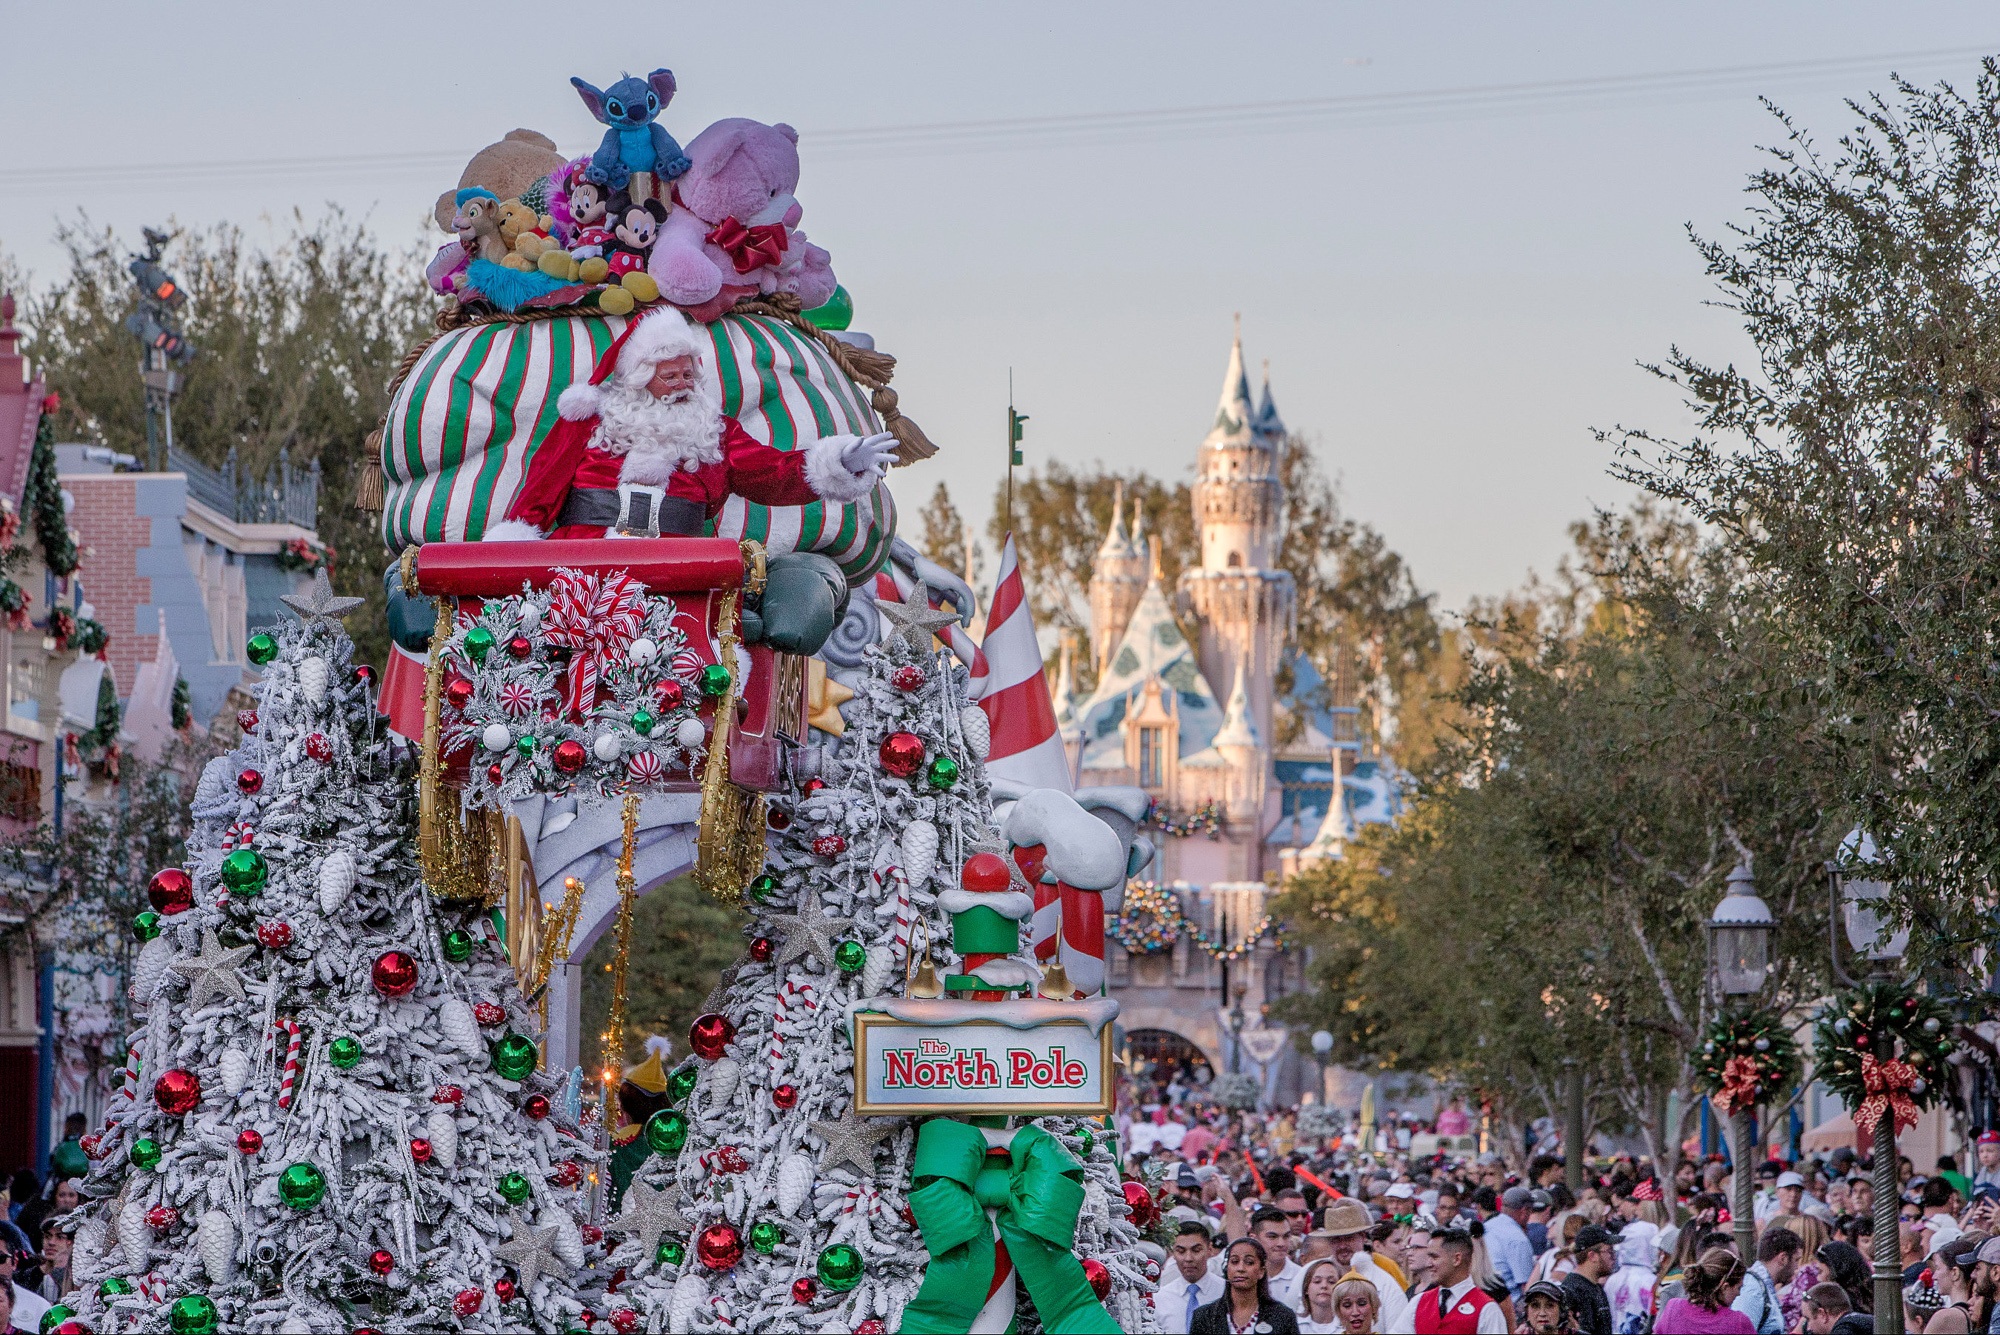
x=466 y=420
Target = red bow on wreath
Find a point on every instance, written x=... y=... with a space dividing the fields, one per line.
x=749 y=247
x=1888 y=1085
x=1741 y=1081
x=595 y=617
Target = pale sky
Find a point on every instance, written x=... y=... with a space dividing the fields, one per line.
x=1451 y=292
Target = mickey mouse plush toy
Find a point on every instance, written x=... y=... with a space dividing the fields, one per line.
x=635 y=227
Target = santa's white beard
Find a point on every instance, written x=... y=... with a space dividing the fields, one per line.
x=658 y=437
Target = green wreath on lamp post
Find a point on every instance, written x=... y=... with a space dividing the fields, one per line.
x=1746 y=1058
x=1881 y=1046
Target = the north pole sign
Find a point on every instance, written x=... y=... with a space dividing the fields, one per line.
x=981 y=1066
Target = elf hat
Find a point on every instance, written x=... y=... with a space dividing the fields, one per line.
x=659 y=334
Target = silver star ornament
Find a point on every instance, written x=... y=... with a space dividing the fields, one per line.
x=530 y=1251
x=914 y=619
x=809 y=931
x=212 y=971
x=319 y=603
x=852 y=1140
x=648 y=1212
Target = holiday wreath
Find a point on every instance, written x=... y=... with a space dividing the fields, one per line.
x=1882 y=1047
x=1746 y=1059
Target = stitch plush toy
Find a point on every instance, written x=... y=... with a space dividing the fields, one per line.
x=635 y=142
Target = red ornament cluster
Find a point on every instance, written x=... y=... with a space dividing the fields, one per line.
x=162 y=1217
x=901 y=754
x=489 y=1013
x=450 y=1094
x=730 y=1160
x=1145 y=1210
x=829 y=845
x=670 y=694
x=625 y=1319
x=394 y=974
x=274 y=935
x=592 y=1235
x=909 y=677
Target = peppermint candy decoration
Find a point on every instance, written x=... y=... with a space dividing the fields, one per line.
x=644 y=767
x=516 y=699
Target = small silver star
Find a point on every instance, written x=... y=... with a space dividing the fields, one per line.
x=318 y=601
x=809 y=931
x=648 y=1212
x=212 y=971
x=853 y=1139
x=913 y=618
x=531 y=1251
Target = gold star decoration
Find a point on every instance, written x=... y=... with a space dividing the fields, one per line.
x=212 y=971
x=824 y=697
x=852 y=1140
x=914 y=619
x=319 y=603
x=647 y=1212
x=809 y=931
x=530 y=1251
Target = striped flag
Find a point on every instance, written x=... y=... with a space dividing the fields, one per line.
x=1027 y=750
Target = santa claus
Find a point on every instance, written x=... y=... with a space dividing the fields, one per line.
x=644 y=450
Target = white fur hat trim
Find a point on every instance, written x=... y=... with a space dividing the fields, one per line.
x=661 y=333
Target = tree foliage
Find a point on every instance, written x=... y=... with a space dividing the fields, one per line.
x=682 y=940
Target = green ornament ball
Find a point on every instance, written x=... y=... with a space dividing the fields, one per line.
x=479 y=643
x=1089 y=1140
x=146 y=926
x=194 y=1314
x=837 y=314
x=261 y=649
x=145 y=1153
x=714 y=680
x=513 y=1056
x=840 y=1267
x=514 y=1188
x=244 y=871
x=458 y=944
x=56 y=1315
x=302 y=1186
x=642 y=722
x=851 y=956
x=765 y=1236
x=682 y=1082
x=763 y=887
x=344 y=1052
x=666 y=1131
x=670 y=1252
x=943 y=773
x=115 y=1287
x=525 y=748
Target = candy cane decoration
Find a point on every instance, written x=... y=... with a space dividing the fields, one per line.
x=291 y=1028
x=793 y=992
x=900 y=939
x=131 y=1085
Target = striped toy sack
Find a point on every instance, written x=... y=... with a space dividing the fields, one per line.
x=464 y=422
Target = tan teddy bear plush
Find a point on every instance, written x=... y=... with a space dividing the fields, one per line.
x=507 y=168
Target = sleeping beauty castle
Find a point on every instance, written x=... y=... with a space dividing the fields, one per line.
x=1196 y=723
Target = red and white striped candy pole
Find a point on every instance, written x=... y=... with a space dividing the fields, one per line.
x=131 y=1084
x=291 y=1028
x=792 y=993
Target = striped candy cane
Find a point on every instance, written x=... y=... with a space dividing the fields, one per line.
x=291 y=1028
x=901 y=938
x=130 y=1087
x=793 y=993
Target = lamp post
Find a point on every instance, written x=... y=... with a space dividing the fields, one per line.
x=1856 y=897
x=1739 y=954
x=1322 y=1042
x=1236 y=1019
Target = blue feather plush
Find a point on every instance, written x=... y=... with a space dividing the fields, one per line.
x=510 y=289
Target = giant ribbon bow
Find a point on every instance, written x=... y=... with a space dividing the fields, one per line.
x=1888 y=1085
x=595 y=617
x=1741 y=1082
x=749 y=247
x=1035 y=1193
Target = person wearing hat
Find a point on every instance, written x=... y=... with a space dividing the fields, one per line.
x=641 y=1093
x=1347 y=1223
x=1507 y=1239
x=1455 y=1304
x=1766 y=1199
x=1596 y=1259
x=1545 y=1310
x=1986 y=1166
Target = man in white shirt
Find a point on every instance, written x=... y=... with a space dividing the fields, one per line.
x=1187 y=1283
x=1455 y=1302
x=1348 y=1222
x=1271 y=1229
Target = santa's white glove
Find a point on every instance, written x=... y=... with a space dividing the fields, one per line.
x=869 y=456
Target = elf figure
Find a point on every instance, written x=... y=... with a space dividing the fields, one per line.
x=642 y=1093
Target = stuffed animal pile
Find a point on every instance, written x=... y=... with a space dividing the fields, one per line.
x=640 y=220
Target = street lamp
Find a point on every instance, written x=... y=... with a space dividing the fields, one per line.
x=1236 y=1020
x=1739 y=953
x=1322 y=1042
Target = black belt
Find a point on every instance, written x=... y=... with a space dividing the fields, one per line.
x=598 y=507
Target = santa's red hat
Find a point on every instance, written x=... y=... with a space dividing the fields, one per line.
x=652 y=338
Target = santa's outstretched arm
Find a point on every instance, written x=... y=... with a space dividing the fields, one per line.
x=832 y=468
x=545 y=486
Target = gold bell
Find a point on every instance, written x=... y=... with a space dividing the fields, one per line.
x=923 y=981
x=1055 y=982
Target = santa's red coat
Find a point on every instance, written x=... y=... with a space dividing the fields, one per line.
x=566 y=459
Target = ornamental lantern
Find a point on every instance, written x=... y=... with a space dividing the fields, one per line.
x=1861 y=900
x=1739 y=936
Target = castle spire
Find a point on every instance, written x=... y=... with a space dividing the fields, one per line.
x=1115 y=543
x=1234 y=412
x=1268 y=424
x=1237 y=729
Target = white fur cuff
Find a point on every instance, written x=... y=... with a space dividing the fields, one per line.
x=512 y=530
x=580 y=402
x=828 y=477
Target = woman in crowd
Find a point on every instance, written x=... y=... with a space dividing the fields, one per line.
x=1485 y=1276
x=1712 y=1285
x=1846 y=1267
x=1316 y=1292
x=1246 y=1306
x=1951 y=1273
x=1559 y=1259
x=1813 y=1235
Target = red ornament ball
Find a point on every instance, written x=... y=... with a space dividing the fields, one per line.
x=592 y=1235
x=170 y=891
x=536 y=1106
x=720 y=1247
x=365 y=674
x=671 y=694
x=250 y=782
x=909 y=677
x=829 y=845
x=804 y=1289
x=520 y=646
x=785 y=1096
x=381 y=1261
x=274 y=935
x=249 y=1140
x=504 y=1290
x=494 y=774
x=1861 y=1040
x=458 y=692
x=450 y=1094
x=815 y=786
x=1099 y=1277
x=177 y=1092
x=730 y=1160
x=778 y=818
x=319 y=748
x=901 y=754
x=625 y=1319
x=420 y=1149
x=92 y=1146
x=761 y=948
x=567 y=1174
x=570 y=756
x=467 y=1302
x=984 y=873
x=710 y=1035
x=394 y=974
x=872 y=1326
x=162 y=1217
x=489 y=1013
x=1145 y=1210
x=246 y=720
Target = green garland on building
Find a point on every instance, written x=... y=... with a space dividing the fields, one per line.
x=43 y=502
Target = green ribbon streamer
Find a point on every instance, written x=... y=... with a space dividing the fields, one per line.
x=1036 y=1196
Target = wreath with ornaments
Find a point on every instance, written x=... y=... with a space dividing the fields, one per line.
x=1882 y=1048
x=1746 y=1059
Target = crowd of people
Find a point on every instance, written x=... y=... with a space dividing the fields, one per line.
x=1274 y=1233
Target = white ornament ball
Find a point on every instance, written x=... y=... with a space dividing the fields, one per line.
x=1917 y=1086
x=795 y=1179
x=978 y=730
x=215 y=1239
x=336 y=880
x=690 y=734
x=606 y=746
x=441 y=1129
x=496 y=737
x=920 y=846
x=642 y=651
x=455 y=1022
x=312 y=680
x=718 y=1082
x=1931 y=1026
x=235 y=1066
x=531 y=617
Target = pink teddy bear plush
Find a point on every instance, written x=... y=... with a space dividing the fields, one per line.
x=734 y=230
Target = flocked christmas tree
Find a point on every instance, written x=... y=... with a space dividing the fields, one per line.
x=769 y=1205
x=335 y=1122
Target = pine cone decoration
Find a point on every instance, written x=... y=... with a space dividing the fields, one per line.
x=312 y=680
x=215 y=1238
x=795 y=1177
x=441 y=1129
x=235 y=1067
x=336 y=881
x=978 y=730
x=455 y=1022
x=920 y=846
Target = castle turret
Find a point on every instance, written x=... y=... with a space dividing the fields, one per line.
x=1117 y=579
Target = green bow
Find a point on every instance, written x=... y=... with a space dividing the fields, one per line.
x=1035 y=1193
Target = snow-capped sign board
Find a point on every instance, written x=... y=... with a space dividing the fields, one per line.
x=945 y=1064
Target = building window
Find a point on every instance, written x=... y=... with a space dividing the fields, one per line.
x=1235 y=560
x=1152 y=757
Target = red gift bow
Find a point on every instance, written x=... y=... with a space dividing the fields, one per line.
x=595 y=617
x=1888 y=1085
x=749 y=247
x=1740 y=1082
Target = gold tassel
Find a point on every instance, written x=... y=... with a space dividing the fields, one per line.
x=457 y=862
x=911 y=442
x=729 y=848
x=368 y=487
